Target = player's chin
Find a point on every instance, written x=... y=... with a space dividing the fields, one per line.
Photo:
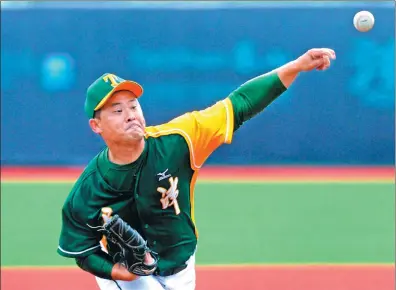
x=136 y=135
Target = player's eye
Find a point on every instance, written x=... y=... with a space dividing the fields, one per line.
x=117 y=111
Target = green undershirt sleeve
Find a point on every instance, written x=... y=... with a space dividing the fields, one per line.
x=99 y=264
x=254 y=96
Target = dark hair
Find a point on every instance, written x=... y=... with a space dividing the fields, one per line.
x=97 y=114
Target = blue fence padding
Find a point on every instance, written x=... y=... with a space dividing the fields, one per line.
x=187 y=60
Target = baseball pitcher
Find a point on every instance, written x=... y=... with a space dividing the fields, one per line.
x=129 y=218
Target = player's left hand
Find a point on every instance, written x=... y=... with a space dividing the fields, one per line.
x=316 y=58
x=133 y=253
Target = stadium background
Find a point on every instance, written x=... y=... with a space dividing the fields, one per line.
x=303 y=198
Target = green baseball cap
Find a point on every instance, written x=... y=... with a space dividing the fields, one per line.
x=102 y=89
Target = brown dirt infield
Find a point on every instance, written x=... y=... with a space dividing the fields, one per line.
x=320 y=277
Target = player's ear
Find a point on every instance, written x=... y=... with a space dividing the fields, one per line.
x=95 y=125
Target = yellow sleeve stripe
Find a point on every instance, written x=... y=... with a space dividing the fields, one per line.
x=192 y=199
x=184 y=135
x=230 y=121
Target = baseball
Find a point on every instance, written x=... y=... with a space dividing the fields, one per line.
x=363 y=21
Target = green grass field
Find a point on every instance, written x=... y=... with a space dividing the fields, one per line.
x=237 y=223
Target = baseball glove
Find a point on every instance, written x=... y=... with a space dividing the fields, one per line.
x=133 y=248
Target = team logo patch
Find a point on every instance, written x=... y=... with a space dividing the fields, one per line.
x=169 y=196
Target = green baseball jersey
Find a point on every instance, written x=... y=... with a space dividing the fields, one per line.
x=173 y=155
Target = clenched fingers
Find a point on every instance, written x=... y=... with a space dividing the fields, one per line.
x=321 y=52
x=326 y=63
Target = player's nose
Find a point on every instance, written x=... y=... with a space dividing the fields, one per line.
x=130 y=116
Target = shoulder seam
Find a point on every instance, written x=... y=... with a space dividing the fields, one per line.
x=184 y=135
x=227 y=120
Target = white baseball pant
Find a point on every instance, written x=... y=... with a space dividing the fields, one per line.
x=184 y=280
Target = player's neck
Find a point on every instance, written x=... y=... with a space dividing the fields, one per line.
x=122 y=154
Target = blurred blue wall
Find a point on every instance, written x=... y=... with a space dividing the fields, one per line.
x=187 y=59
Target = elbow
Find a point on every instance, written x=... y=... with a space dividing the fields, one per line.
x=88 y=266
x=80 y=261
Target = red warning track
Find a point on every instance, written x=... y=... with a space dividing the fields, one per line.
x=334 y=277
x=228 y=173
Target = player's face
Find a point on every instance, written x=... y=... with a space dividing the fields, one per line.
x=121 y=119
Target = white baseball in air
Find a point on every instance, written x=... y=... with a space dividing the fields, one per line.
x=363 y=21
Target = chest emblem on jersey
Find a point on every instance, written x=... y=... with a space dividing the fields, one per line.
x=163 y=175
x=169 y=196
